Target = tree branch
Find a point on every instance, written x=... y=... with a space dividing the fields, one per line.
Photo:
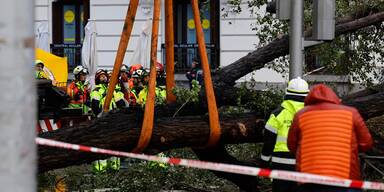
x=280 y=47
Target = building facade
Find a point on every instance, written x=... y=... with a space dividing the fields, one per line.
x=228 y=38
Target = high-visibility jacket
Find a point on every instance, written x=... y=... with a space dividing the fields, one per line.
x=40 y=75
x=98 y=96
x=275 y=147
x=78 y=92
x=160 y=95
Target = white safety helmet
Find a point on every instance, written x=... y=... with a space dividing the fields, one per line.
x=298 y=87
x=124 y=68
x=80 y=69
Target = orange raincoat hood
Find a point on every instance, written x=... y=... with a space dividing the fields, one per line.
x=321 y=93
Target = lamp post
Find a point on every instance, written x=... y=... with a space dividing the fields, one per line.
x=296 y=47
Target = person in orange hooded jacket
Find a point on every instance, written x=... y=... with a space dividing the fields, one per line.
x=326 y=137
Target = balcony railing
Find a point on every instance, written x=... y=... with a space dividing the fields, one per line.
x=71 y=51
x=185 y=53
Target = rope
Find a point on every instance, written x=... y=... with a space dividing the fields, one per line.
x=214 y=123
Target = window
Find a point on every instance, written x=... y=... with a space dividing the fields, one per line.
x=186 y=47
x=69 y=18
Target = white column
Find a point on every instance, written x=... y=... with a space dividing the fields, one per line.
x=17 y=97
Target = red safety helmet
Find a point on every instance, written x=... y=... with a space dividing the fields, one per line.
x=160 y=70
x=159 y=67
x=134 y=68
x=98 y=74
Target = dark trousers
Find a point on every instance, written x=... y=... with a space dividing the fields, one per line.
x=324 y=188
x=282 y=185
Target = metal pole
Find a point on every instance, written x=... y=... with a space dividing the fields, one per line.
x=296 y=50
x=18 y=96
x=170 y=51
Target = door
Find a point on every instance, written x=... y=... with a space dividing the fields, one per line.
x=69 y=18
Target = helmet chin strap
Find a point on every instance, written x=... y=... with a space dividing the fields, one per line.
x=104 y=82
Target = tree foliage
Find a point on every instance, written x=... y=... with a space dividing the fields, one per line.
x=357 y=54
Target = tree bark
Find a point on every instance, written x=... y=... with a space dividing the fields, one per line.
x=121 y=130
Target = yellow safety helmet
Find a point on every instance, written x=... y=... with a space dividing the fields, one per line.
x=39 y=62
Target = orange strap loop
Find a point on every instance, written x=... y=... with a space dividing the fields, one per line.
x=147 y=127
x=123 y=44
x=214 y=123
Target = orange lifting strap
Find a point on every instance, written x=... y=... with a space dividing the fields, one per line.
x=124 y=39
x=169 y=51
x=212 y=108
x=147 y=127
x=146 y=131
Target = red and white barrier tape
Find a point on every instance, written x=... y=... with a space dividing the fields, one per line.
x=47 y=125
x=245 y=170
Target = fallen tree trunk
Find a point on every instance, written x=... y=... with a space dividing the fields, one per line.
x=369 y=106
x=120 y=131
